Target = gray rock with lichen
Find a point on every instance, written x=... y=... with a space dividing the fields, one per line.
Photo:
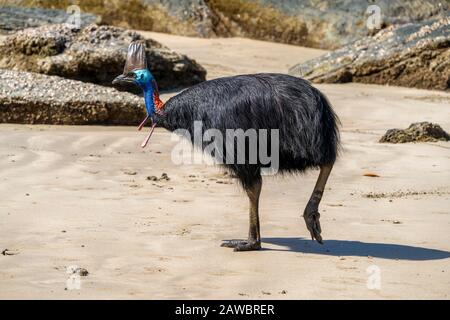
x=33 y=98
x=93 y=54
x=331 y=24
x=416 y=132
x=18 y=18
x=411 y=55
x=196 y=12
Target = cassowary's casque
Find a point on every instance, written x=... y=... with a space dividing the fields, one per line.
x=308 y=133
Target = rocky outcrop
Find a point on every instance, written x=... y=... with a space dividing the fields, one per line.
x=39 y=99
x=254 y=19
x=195 y=16
x=93 y=54
x=17 y=18
x=416 y=132
x=411 y=55
x=318 y=23
x=333 y=24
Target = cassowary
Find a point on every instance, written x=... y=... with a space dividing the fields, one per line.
x=308 y=131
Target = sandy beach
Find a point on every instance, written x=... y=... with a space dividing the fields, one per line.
x=80 y=196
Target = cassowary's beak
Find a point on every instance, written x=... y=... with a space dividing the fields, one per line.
x=123 y=79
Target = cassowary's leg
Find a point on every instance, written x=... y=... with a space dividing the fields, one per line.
x=311 y=213
x=254 y=238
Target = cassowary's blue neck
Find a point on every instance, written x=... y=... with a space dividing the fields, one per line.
x=149 y=101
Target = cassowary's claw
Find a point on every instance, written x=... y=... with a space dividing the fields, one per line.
x=242 y=245
x=312 y=219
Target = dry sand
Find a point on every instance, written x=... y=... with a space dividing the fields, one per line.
x=80 y=196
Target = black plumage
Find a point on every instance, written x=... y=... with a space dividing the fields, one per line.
x=308 y=133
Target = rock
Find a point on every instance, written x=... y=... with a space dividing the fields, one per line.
x=33 y=98
x=93 y=54
x=318 y=23
x=195 y=16
x=411 y=55
x=135 y=14
x=416 y=132
x=18 y=18
x=82 y=272
x=333 y=24
x=257 y=20
x=164 y=177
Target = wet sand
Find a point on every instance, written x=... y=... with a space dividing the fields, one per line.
x=80 y=196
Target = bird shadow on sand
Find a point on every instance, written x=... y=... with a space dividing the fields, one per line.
x=356 y=248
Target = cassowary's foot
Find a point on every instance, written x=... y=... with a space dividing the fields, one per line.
x=242 y=245
x=312 y=217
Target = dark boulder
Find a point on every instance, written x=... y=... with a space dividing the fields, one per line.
x=416 y=132
x=93 y=54
x=33 y=98
x=410 y=55
x=17 y=18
